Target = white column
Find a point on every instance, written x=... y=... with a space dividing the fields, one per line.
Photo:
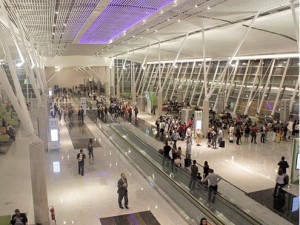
x=145 y=72
x=25 y=121
x=204 y=60
x=38 y=181
x=252 y=88
x=231 y=83
x=280 y=87
x=205 y=118
x=241 y=88
x=190 y=81
x=284 y=110
x=196 y=83
x=159 y=104
x=213 y=87
x=266 y=87
x=294 y=94
x=296 y=25
x=178 y=81
x=43 y=121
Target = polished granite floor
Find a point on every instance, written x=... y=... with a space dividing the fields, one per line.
x=80 y=200
x=285 y=205
x=141 y=218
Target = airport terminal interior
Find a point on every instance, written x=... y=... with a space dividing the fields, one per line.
x=149 y=112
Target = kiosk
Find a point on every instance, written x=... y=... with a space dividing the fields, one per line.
x=197 y=121
x=54 y=143
x=83 y=104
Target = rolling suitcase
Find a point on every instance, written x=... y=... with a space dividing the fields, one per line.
x=187 y=162
x=222 y=144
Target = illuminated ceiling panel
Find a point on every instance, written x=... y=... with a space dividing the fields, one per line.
x=119 y=16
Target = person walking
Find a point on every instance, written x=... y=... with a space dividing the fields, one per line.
x=247 y=134
x=279 y=183
x=19 y=218
x=166 y=153
x=81 y=158
x=253 y=134
x=205 y=169
x=238 y=134
x=194 y=174
x=123 y=191
x=213 y=180
x=283 y=165
x=90 y=149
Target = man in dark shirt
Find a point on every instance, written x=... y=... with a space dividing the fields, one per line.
x=123 y=191
x=81 y=158
x=194 y=173
x=283 y=165
x=167 y=149
x=19 y=218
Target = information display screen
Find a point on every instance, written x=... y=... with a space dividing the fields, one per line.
x=54 y=134
x=199 y=125
x=295 y=206
x=297 y=162
x=56 y=167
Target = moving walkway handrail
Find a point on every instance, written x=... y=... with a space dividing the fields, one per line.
x=224 y=200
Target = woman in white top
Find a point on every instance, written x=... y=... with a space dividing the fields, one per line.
x=279 y=182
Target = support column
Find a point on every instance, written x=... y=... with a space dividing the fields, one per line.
x=205 y=118
x=252 y=89
x=220 y=104
x=38 y=181
x=266 y=87
x=294 y=95
x=241 y=88
x=159 y=103
x=133 y=93
x=43 y=122
x=284 y=110
x=280 y=87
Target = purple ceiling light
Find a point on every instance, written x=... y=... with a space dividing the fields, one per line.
x=119 y=16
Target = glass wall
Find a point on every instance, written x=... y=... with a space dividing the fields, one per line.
x=250 y=86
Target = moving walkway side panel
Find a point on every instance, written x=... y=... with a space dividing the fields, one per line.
x=224 y=210
x=190 y=209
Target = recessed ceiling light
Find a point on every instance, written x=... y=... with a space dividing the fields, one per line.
x=147 y=29
x=141 y=37
x=133 y=36
x=56 y=12
x=110 y=41
x=155 y=30
x=178 y=21
x=53 y=33
x=162 y=12
x=168 y=19
x=54 y=25
x=196 y=6
x=208 y=8
x=144 y=21
x=65 y=24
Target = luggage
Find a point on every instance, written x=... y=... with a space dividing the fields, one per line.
x=286 y=179
x=187 y=162
x=222 y=144
x=230 y=137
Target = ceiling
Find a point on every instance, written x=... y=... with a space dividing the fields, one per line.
x=58 y=27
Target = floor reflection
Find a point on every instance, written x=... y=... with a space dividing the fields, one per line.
x=286 y=205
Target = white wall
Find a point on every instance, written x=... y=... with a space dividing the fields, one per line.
x=69 y=77
x=76 y=60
